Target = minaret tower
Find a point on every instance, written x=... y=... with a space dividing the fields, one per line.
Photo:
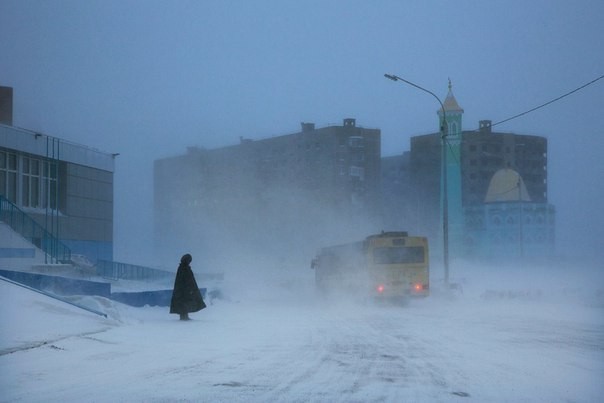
x=452 y=169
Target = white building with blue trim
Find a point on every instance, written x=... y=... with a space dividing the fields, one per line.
x=57 y=195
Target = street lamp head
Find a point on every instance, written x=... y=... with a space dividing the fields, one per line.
x=391 y=77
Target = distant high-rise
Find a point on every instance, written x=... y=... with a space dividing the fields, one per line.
x=6 y=105
x=296 y=189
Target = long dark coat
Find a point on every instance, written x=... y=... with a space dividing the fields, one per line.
x=186 y=296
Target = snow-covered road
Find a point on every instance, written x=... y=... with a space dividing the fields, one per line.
x=479 y=345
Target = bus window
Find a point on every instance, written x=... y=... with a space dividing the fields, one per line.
x=409 y=254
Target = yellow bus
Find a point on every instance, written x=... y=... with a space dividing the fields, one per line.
x=386 y=265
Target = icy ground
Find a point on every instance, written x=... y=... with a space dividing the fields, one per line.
x=507 y=336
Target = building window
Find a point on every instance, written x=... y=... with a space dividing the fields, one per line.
x=49 y=186
x=355 y=142
x=357 y=157
x=452 y=128
x=8 y=176
x=28 y=182
x=357 y=172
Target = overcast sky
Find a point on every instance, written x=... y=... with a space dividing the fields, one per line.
x=146 y=79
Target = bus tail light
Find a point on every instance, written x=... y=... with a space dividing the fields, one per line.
x=380 y=288
x=421 y=287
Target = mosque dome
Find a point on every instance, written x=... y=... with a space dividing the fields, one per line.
x=506 y=186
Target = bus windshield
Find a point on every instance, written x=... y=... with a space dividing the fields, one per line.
x=389 y=255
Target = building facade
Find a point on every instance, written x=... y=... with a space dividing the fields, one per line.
x=66 y=188
x=298 y=188
x=395 y=181
x=482 y=154
x=509 y=222
x=473 y=159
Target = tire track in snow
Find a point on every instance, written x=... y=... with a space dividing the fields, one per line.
x=352 y=352
x=43 y=343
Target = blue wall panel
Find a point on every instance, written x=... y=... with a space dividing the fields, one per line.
x=59 y=285
x=17 y=252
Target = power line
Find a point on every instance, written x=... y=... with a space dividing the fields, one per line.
x=549 y=102
x=534 y=109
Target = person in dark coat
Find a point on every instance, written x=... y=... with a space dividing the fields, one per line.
x=186 y=296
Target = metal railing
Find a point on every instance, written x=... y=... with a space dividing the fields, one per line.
x=29 y=229
x=126 y=271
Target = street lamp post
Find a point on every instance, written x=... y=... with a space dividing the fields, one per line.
x=443 y=136
x=520 y=205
